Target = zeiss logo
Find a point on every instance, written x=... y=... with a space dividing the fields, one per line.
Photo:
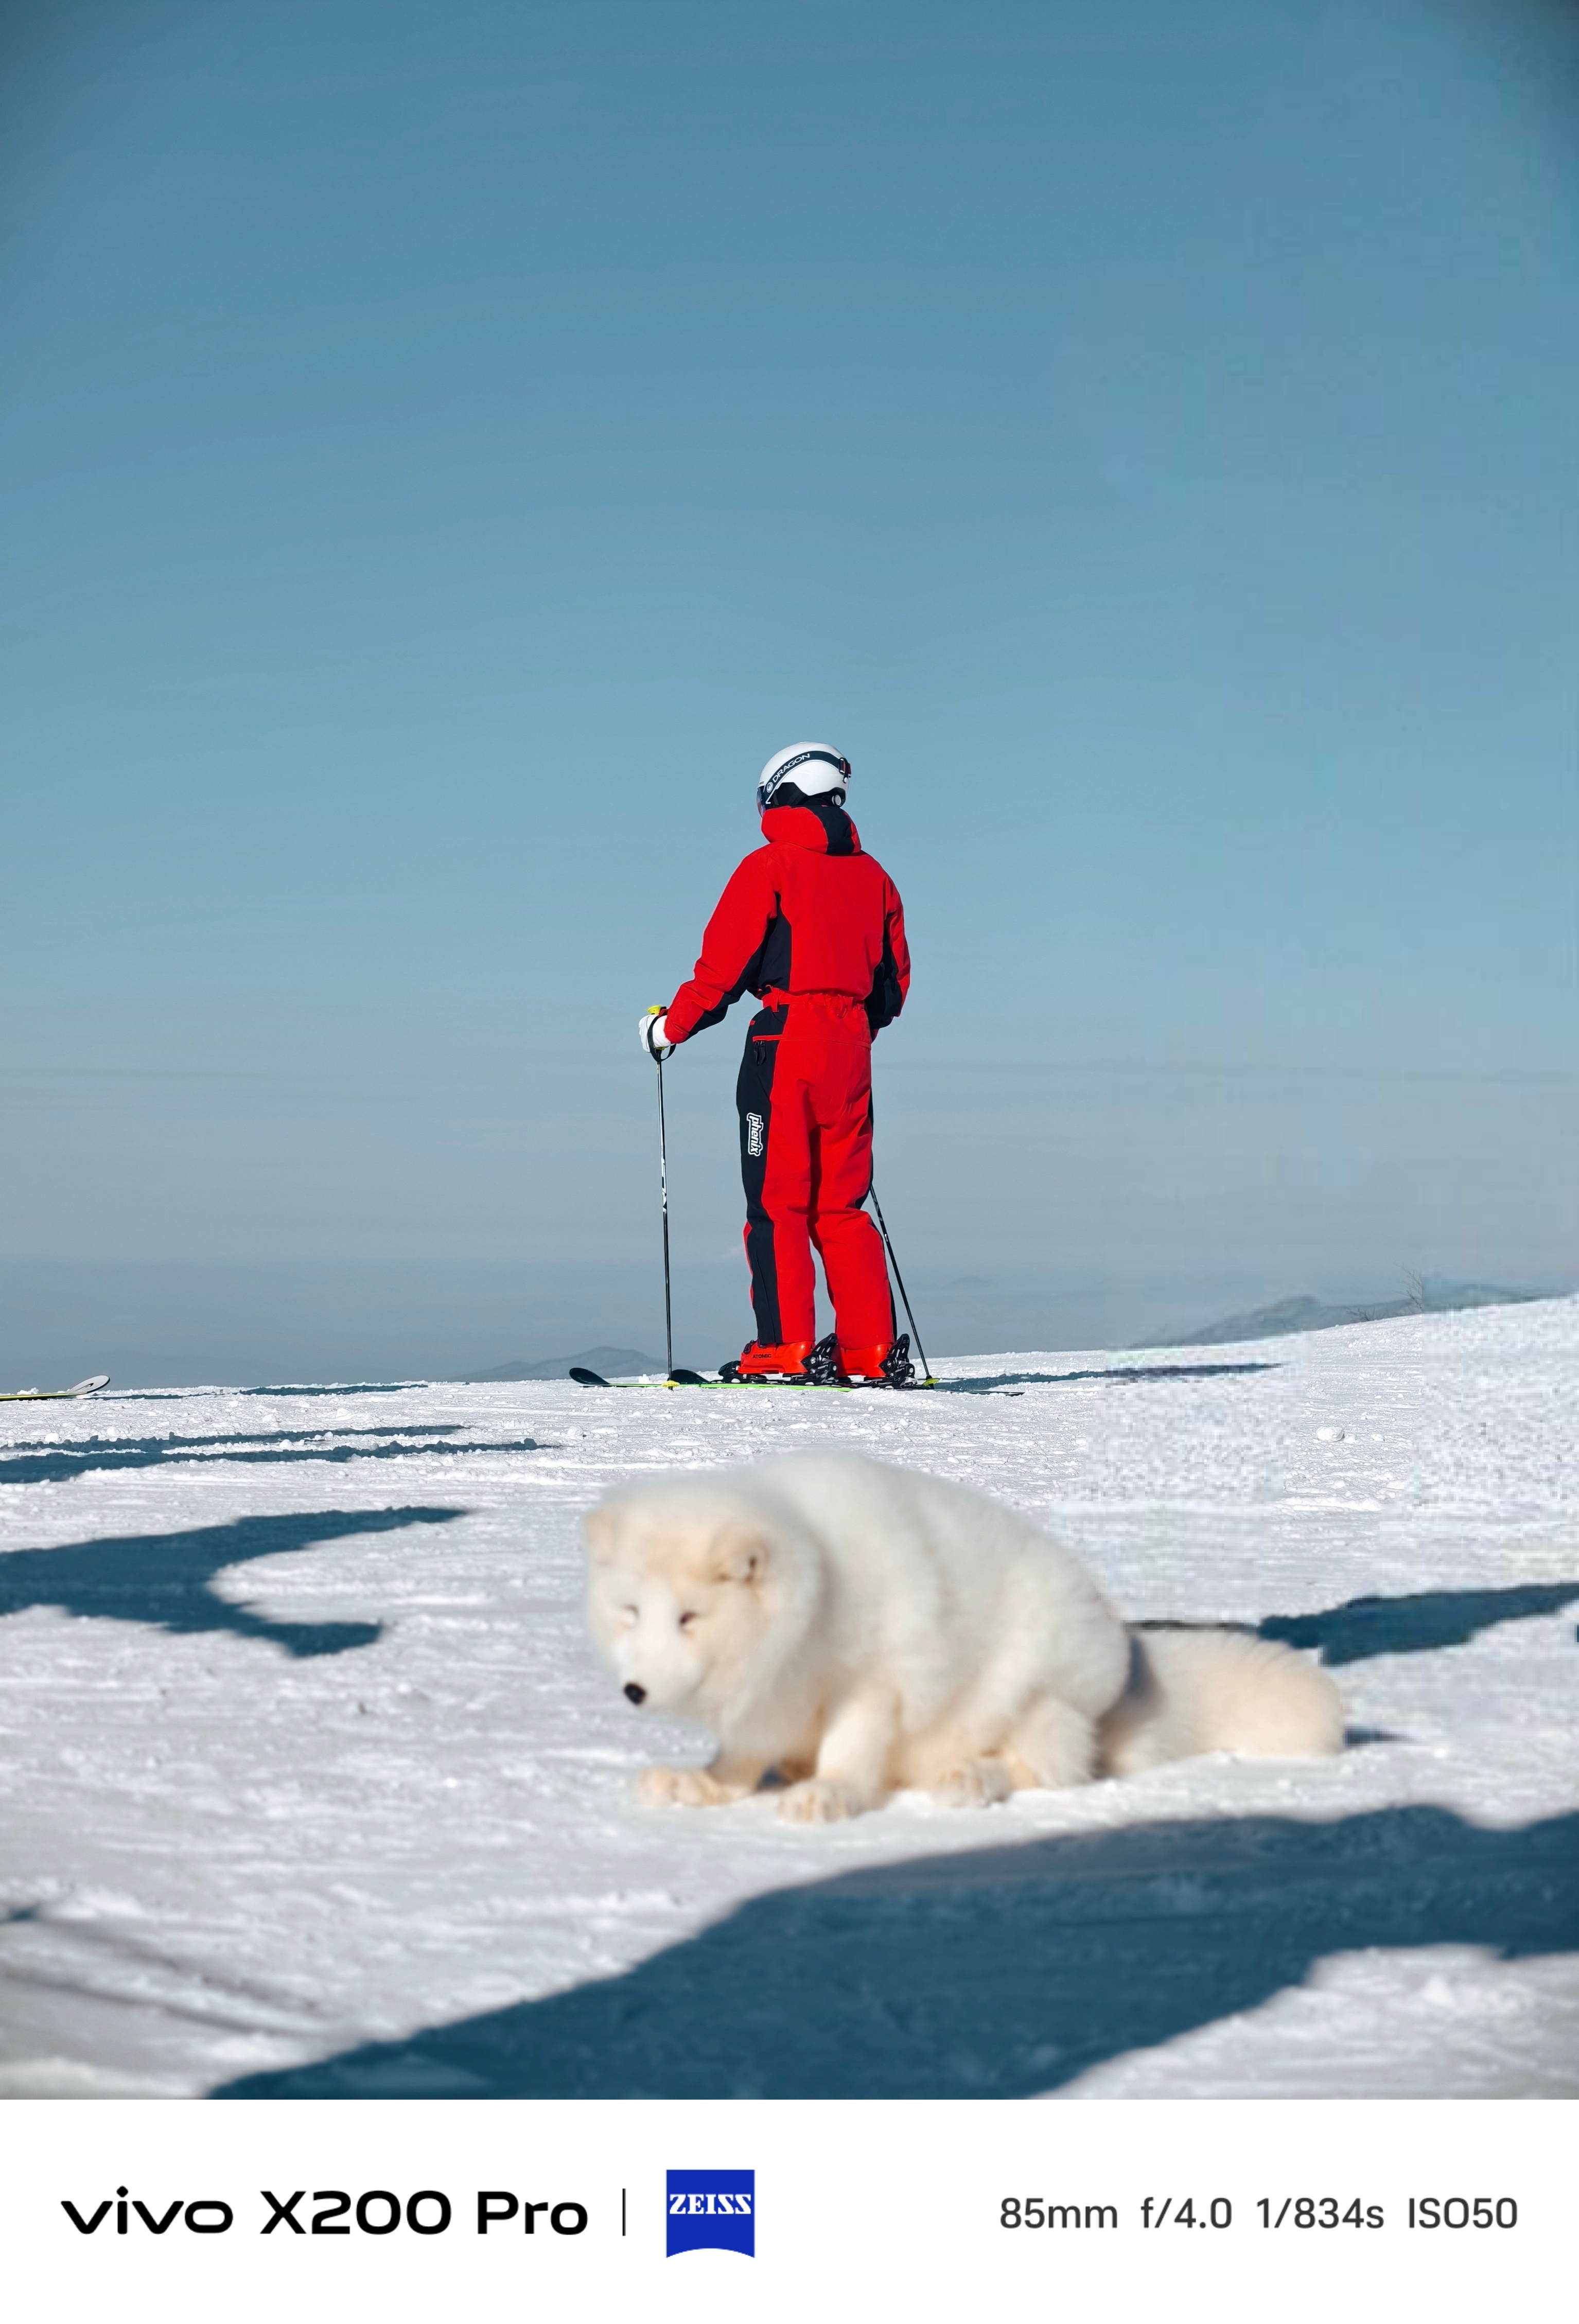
x=712 y=2207
x=756 y=1142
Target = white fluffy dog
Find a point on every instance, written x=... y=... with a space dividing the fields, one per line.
x=861 y=1630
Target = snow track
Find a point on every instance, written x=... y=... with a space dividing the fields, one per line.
x=310 y=1783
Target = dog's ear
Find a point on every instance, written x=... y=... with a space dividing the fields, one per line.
x=740 y=1553
x=601 y=1526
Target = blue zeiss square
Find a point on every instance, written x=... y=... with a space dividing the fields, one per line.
x=712 y=2209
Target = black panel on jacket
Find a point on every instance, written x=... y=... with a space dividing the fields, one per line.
x=886 y=998
x=839 y=830
x=767 y=969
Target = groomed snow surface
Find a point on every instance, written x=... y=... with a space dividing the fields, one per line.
x=311 y=1785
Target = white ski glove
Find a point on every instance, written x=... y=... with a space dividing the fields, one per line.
x=649 y=1032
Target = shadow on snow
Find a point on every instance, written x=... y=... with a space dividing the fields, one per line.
x=331 y=1387
x=1423 y=1623
x=1122 y=1374
x=166 y=1579
x=1363 y=1626
x=60 y=1462
x=994 y=1974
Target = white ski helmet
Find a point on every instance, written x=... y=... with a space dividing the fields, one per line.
x=809 y=768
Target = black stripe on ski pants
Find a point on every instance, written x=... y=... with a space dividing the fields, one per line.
x=753 y=1099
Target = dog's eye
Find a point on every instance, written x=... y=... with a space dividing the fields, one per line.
x=686 y=1620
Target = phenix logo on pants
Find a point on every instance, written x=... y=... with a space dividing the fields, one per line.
x=712 y=2207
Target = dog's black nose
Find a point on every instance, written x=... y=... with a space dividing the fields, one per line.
x=634 y=1693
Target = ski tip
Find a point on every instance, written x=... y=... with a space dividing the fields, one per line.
x=54 y=1395
x=680 y=1378
x=585 y=1379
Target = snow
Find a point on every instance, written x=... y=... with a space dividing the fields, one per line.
x=310 y=1783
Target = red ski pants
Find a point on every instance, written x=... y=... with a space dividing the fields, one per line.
x=805 y=1100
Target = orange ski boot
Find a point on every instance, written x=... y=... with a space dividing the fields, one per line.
x=785 y=1362
x=888 y=1365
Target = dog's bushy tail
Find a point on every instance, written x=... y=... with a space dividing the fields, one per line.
x=1193 y=1691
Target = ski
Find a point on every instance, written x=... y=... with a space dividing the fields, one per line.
x=586 y=1379
x=44 y=1394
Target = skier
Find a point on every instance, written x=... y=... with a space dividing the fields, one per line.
x=814 y=927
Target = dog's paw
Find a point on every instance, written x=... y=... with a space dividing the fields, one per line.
x=681 y=1787
x=978 y=1783
x=818 y=1801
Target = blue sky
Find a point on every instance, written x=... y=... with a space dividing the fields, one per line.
x=446 y=449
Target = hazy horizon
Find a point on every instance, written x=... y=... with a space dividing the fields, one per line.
x=267 y=1324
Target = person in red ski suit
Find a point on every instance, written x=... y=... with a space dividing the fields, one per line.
x=814 y=927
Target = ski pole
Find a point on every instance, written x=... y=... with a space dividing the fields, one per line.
x=663 y=1194
x=904 y=1295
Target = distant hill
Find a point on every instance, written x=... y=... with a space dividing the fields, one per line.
x=1306 y=1314
x=607 y=1361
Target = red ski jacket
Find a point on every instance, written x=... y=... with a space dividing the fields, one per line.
x=806 y=913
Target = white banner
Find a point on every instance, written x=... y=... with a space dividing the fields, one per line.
x=167 y=2210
